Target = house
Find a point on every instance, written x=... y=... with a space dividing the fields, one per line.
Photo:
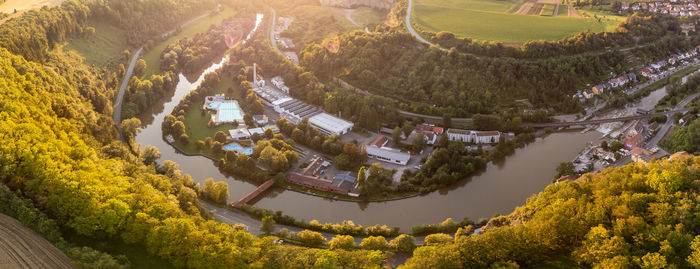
x=381 y=141
x=260 y=120
x=646 y=72
x=459 y=135
x=599 y=89
x=259 y=131
x=487 y=137
x=653 y=127
x=635 y=7
x=672 y=59
x=588 y=93
x=644 y=5
x=633 y=140
x=565 y=178
x=386 y=154
x=678 y=154
x=343 y=184
x=430 y=132
x=685 y=120
x=239 y=134
x=625 y=6
x=631 y=77
x=614 y=82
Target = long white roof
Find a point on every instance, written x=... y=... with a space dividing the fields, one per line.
x=330 y=122
x=388 y=153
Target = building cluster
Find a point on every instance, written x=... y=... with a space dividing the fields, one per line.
x=431 y=133
x=279 y=83
x=295 y=110
x=244 y=133
x=613 y=83
x=476 y=137
x=379 y=151
x=652 y=70
x=223 y=110
x=343 y=183
x=680 y=8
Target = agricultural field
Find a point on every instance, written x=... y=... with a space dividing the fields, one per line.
x=504 y=21
x=315 y=23
x=104 y=48
x=23 y=248
x=10 y=6
x=152 y=57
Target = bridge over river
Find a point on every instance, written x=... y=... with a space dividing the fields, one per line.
x=600 y=121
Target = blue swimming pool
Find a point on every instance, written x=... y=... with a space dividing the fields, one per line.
x=237 y=147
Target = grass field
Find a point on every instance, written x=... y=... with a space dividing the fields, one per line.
x=20 y=5
x=152 y=57
x=104 y=48
x=488 y=20
x=315 y=23
x=547 y=10
x=196 y=123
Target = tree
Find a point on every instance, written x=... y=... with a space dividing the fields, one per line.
x=615 y=146
x=268 y=225
x=342 y=242
x=396 y=135
x=694 y=258
x=438 y=239
x=361 y=181
x=604 y=145
x=150 y=155
x=130 y=127
x=403 y=243
x=418 y=143
x=565 y=169
x=139 y=67
x=447 y=120
x=220 y=137
x=374 y=243
x=311 y=238
x=216 y=191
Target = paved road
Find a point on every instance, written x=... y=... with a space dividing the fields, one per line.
x=271 y=35
x=669 y=122
x=117 y=113
x=410 y=27
x=234 y=216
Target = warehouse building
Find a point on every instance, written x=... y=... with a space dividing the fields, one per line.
x=386 y=154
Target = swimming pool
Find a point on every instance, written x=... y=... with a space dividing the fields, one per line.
x=237 y=147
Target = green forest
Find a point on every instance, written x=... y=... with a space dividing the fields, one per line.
x=62 y=170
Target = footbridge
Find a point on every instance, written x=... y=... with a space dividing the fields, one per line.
x=259 y=190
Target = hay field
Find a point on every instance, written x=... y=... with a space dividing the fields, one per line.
x=20 y=247
x=489 y=20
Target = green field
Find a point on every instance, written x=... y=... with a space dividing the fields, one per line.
x=104 y=49
x=488 y=20
x=196 y=123
x=315 y=23
x=547 y=10
x=152 y=57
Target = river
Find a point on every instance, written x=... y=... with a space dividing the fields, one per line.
x=499 y=189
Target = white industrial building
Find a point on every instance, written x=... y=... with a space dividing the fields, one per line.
x=387 y=154
x=330 y=125
x=239 y=134
x=476 y=137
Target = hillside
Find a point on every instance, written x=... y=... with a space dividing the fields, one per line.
x=23 y=248
x=639 y=215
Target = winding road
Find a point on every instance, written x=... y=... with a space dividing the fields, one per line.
x=117 y=113
x=669 y=122
x=410 y=27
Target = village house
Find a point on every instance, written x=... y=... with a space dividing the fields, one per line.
x=633 y=140
x=625 y=5
x=344 y=184
x=260 y=120
x=599 y=89
x=588 y=93
x=431 y=133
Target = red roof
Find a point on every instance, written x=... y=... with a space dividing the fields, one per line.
x=380 y=141
x=438 y=130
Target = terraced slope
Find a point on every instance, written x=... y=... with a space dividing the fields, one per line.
x=20 y=247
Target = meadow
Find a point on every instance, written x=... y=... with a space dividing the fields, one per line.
x=10 y=6
x=490 y=20
x=105 y=48
x=152 y=56
x=315 y=23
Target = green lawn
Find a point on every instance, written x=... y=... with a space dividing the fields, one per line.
x=314 y=23
x=152 y=57
x=604 y=16
x=488 y=20
x=196 y=123
x=104 y=48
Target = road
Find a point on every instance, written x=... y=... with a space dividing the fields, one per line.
x=669 y=122
x=410 y=27
x=117 y=113
x=234 y=216
x=271 y=35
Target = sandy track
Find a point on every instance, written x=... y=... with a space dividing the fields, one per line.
x=20 y=247
x=573 y=13
x=525 y=8
x=556 y=10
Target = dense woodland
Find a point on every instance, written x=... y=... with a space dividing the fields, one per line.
x=432 y=81
x=58 y=150
x=636 y=216
x=685 y=139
